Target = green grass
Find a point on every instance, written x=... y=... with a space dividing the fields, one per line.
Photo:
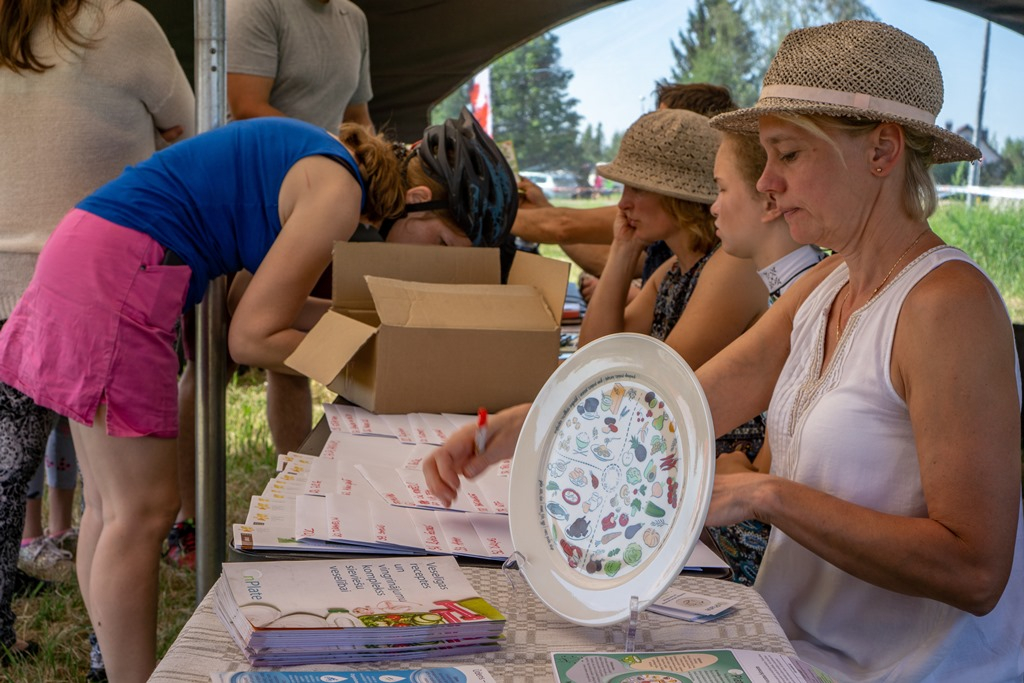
x=995 y=239
x=57 y=620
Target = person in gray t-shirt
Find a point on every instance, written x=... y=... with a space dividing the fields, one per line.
x=305 y=59
x=308 y=60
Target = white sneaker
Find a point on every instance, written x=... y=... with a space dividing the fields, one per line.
x=42 y=559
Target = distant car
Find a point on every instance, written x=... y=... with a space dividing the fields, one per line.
x=557 y=185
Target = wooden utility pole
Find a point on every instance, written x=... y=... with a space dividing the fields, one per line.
x=975 y=170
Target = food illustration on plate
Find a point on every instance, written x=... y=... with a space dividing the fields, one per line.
x=629 y=463
x=588 y=409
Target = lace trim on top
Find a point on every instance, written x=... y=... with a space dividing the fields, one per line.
x=821 y=381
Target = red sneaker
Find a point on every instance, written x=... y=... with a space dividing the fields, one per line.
x=181 y=545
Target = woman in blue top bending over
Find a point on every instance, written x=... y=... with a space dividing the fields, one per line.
x=93 y=337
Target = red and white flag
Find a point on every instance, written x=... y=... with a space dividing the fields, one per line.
x=480 y=99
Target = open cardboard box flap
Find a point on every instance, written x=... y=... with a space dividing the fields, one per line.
x=450 y=342
x=329 y=346
x=486 y=307
x=353 y=261
x=548 y=276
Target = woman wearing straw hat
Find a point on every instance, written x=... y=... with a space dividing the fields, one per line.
x=895 y=497
x=890 y=378
x=700 y=299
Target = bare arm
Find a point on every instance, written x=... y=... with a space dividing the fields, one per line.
x=593 y=257
x=249 y=96
x=739 y=380
x=444 y=468
x=358 y=113
x=737 y=461
x=558 y=225
x=320 y=205
x=590 y=257
x=960 y=390
x=728 y=299
x=311 y=312
x=607 y=311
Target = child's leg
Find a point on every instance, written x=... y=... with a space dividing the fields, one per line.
x=40 y=557
x=34 y=507
x=61 y=477
x=131 y=498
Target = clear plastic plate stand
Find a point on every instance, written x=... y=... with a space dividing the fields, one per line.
x=510 y=568
x=634 y=620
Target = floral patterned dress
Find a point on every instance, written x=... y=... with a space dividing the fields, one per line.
x=741 y=544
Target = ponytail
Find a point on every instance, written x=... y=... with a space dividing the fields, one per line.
x=382 y=171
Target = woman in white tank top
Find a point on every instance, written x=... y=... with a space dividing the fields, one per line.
x=894 y=495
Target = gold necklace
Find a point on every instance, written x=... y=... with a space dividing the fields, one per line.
x=839 y=314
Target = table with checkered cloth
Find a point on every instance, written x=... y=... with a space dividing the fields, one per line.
x=532 y=633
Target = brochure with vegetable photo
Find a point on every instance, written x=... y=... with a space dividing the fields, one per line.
x=693 y=666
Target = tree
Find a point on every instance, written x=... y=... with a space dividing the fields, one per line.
x=1013 y=158
x=953 y=173
x=718 y=47
x=592 y=144
x=530 y=106
x=614 y=144
x=773 y=19
x=450 y=106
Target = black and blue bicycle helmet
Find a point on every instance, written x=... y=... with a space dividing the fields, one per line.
x=482 y=193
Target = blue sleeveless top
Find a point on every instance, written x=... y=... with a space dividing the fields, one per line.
x=212 y=199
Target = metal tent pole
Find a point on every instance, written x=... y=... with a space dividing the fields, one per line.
x=211 y=322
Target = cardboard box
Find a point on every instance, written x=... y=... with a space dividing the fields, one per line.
x=430 y=329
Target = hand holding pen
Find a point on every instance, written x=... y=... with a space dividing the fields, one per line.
x=481 y=432
x=472 y=449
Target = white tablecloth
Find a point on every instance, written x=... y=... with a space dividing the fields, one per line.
x=532 y=633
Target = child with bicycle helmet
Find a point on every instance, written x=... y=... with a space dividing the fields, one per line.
x=93 y=336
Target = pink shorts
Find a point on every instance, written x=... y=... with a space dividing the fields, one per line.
x=97 y=325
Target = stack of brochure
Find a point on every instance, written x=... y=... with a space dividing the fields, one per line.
x=451 y=674
x=332 y=611
x=365 y=493
x=372 y=463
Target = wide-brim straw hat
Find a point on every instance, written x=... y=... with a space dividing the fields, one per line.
x=861 y=69
x=670 y=152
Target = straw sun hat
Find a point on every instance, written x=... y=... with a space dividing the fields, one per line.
x=861 y=69
x=670 y=152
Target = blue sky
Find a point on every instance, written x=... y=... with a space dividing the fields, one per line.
x=617 y=54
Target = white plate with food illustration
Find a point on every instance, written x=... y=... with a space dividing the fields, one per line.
x=611 y=478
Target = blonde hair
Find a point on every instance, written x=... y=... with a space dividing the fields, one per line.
x=750 y=156
x=919 y=197
x=695 y=219
x=18 y=18
x=388 y=170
